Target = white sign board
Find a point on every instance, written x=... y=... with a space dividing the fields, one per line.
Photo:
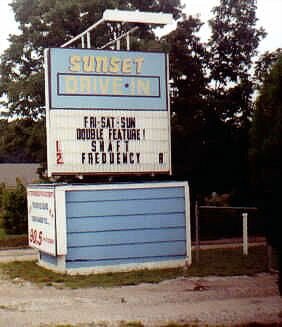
x=107 y=112
x=42 y=220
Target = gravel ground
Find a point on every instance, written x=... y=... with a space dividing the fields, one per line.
x=209 y=300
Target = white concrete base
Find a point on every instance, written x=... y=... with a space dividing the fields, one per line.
x=59 y=268
x=112 y=269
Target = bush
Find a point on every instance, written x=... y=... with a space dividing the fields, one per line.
x=14 y=206
x=2 y=188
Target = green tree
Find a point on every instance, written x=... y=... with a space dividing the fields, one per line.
x=265 y=152
x=232 y=47
x=14 y=205
x=212 y=98
x=264 y=65
x=187 y=65
x=188 y=97
x=22 y=140
x=50 y=23
x=265 y=134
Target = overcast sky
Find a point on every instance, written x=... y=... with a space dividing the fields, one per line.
x=269 y=14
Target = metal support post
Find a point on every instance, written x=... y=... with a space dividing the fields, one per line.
x=197 y=240
x=128 y=42
x=118 y=44
x=245 y=233
x=88 y=40
x=269 y=256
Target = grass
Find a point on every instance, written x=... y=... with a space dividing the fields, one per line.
x=2 y=232
x=230 y=262
x=220 y=262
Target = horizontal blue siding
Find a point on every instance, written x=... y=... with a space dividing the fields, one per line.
x=125 y=207
x=123 y=226
x=124 y=194
x=128 y=251
x=109 y=238
x=119 y=222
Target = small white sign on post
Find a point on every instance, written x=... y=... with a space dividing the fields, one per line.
x=42 y=220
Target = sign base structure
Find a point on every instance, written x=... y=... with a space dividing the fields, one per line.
x=92 y=228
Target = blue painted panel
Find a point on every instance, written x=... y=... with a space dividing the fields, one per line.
x=125 y=237
x=48 y=258
x=66 y=85
x=176 y=248
x=124 y=194
x=111 y=227
x=97 y=224
x=101 y=263
x=74 y=86
x=154 y=206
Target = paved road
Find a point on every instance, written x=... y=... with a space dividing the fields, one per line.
x=17 y=255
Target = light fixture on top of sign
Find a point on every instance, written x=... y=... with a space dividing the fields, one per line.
x=122 y=16
x=141 y=17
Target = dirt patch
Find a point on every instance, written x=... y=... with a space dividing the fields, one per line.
x=210 y=300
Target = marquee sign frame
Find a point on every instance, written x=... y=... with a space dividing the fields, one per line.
x=107 y=112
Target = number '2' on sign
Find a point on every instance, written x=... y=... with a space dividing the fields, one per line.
x=59 y=153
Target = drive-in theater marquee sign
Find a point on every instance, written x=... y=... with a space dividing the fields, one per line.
x=107 y=112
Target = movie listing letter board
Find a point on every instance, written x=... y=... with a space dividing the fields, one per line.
x=107 y=112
